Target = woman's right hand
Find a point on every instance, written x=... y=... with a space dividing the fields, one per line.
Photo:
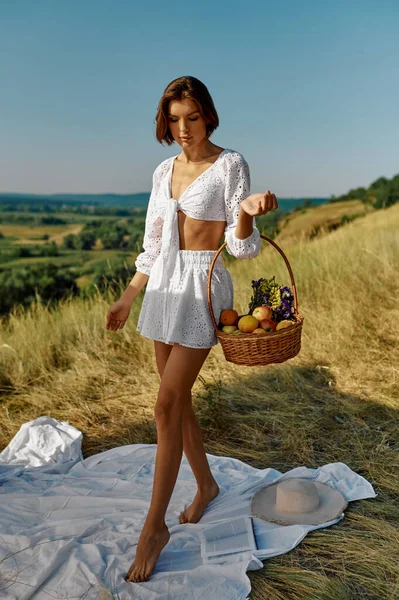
x=117 y=314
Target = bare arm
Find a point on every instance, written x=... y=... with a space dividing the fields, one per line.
x=244 y=226
x=134 y=288
x=120 y=310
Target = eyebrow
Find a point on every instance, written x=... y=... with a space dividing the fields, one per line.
x=195 y=111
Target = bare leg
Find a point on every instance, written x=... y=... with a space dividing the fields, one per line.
x=193 y=448
x=180 y=372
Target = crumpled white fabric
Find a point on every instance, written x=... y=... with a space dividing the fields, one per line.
x=69 y=527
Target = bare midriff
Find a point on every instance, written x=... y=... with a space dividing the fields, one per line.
x=195 y=234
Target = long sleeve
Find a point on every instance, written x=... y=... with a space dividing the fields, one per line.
x=238 y=184
x=153 y=232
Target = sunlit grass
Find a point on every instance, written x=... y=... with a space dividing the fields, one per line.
x=301 y=225
x=336 y=401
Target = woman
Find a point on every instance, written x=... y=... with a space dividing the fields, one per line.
x=197 y=196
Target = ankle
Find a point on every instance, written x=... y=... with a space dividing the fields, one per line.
x=154 y=525
x=207 y=486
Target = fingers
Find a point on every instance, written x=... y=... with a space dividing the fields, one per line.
x=268 y=202
x=114 y=324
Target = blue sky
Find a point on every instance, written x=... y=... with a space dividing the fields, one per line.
x=306 y=90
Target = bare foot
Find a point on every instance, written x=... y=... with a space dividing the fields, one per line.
x=193 y=513
x=149 y=548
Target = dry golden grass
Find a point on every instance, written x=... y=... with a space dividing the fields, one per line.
x=24 y=232
x=336 y=401
x=301 y=226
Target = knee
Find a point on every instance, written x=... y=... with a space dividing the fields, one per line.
x=169 y=406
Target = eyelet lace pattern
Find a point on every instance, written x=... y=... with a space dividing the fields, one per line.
x=215 y=195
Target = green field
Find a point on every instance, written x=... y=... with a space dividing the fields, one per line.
x=81 y=262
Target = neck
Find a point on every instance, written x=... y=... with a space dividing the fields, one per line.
x=199 y=154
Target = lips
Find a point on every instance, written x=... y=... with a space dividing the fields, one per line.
x=184 y=139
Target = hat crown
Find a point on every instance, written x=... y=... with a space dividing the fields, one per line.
x=297 y=497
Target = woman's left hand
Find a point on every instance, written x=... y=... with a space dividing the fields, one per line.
x=259 y=204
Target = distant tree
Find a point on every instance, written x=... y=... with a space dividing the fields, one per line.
x=113 y=274
x=269 y=224
x=134 y=240
x=20 y=285
x=356 y=194
x=86 y=240
x=52 y=221
x=393 y=191
x=50 y=249
x=381 y=182
x=70 y=241
x=22 y=252
x=112 y=237
x=382 y=193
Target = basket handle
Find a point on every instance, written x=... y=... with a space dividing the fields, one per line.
x=287 y=265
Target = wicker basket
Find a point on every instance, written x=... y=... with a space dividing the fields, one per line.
x=252 y=349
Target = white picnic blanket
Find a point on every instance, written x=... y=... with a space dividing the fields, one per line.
x=69 y=527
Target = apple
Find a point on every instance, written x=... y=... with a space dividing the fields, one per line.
x=259 y=330
x=229 y=328
x=262 y=312
x=268 y=324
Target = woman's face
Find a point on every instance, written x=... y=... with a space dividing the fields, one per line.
x=185 y=120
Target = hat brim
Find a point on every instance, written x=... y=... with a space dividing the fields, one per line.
x=332 y=503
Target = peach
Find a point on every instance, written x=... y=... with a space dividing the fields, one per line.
x=228 y=316
x=259 y=330
x=262 y=312
x=247 y=324
x=283 y=324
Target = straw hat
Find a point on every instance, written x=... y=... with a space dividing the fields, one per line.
x=298 y=501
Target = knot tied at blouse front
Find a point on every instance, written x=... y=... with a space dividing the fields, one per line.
x=169 y=254
x=170 y=245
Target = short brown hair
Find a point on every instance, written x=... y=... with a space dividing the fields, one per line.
x=180 y=89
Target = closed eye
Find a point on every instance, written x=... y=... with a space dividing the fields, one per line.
x=193 y=119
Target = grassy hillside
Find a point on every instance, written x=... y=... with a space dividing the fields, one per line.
x=337 y=400
x=308 y=223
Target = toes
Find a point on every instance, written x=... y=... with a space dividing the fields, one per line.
x=143 y=576
x=132 y=576
x=184 y=518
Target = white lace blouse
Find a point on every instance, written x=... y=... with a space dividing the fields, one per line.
x=215 y=195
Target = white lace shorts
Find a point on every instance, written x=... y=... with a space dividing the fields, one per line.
x=180 y=313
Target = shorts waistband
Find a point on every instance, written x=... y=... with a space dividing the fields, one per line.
x=199 y=257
